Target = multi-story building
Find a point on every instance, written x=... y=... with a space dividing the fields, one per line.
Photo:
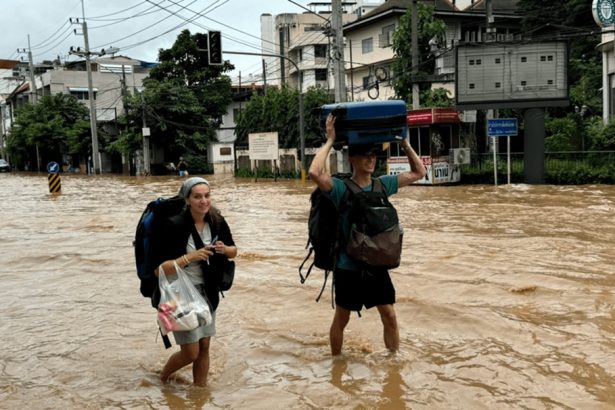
x=369 y=39
x=304 y=41
x=11 y=80
x=109 y=76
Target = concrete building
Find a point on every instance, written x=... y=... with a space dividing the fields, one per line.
x=109 y=76
x=369 y=40
x=304 y=39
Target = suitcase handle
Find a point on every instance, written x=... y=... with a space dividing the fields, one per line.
x=376 y=132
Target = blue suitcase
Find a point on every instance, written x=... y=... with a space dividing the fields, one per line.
x=368 y=121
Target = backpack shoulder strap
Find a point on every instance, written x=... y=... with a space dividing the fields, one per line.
x=377 y=185
x=352 y=185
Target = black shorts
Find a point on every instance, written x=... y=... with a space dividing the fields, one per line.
x=369 y=288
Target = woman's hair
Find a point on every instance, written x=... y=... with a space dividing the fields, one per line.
x=214 y=216
x=188 y=184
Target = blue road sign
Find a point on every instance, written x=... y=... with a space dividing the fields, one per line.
x=53 y=167
x=502 y=127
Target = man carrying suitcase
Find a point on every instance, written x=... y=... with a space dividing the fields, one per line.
x=358 y=284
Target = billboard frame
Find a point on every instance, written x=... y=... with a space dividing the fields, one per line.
x=514 y=98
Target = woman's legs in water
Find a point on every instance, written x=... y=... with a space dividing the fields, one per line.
x=195 y=353
x=200 y=367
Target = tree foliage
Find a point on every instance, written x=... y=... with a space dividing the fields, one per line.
x=183 y=100
x=572 y=19
x=54 y=124
x=437 y=97
x=278 y=110
x=428 y=28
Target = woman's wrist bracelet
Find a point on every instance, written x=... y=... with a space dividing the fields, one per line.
x=185 y=258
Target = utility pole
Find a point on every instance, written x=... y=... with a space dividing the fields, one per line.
x=30 y=71
x=32 y=94
x=146 y=133
x=339 y=74
x=490 y=34
x=415 y=55
x=125 y=165
x=88 y=67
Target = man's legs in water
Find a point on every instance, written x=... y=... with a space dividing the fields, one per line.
x=336 y=333
x=390 y=329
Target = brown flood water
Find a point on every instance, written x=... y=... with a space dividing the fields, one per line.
x=505 y=300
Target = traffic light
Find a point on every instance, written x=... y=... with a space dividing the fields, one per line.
x=214 y=50
x=202 y=48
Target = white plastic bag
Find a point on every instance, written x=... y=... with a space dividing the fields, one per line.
x=181 y=306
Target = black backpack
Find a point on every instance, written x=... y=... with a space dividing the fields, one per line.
x=148 y=232
x=324 y=234
x=375 y=237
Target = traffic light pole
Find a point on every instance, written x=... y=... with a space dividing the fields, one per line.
x=301 y=114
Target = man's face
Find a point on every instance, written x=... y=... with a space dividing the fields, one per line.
x=365 y=163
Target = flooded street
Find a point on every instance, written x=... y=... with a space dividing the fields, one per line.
x=505 y=299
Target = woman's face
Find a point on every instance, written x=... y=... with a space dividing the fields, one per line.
x=199 y=199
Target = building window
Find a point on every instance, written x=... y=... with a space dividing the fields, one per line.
x=320 y=51
x=312 y=27
x=236 y=113
x=498 y=85
x=387 y=35
x=472 y=86
x=321 y=74
x=550 y=82
x=300 y=56
x=366 y=82
x=479 y=61
x=471 y=62
x=367 y=45
x=82 y=95
x=523 y=83
x=498 y=60
x=524 y=59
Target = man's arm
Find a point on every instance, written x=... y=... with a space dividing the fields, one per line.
x=317 y=171
x=417 y=169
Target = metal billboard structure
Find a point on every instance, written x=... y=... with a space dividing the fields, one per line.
x=517 y=75
x=511 y=75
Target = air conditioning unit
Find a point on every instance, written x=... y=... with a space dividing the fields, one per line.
x=460 y=156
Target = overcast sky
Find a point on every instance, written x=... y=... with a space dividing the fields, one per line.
x=137 y=27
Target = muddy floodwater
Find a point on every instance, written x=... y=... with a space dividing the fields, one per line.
x=504 y=300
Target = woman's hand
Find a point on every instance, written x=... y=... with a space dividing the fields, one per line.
x=202 y=254
x=219 y=247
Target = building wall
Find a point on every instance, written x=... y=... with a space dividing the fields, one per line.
x=108 y=88
x=363 y=62
x=296 y=36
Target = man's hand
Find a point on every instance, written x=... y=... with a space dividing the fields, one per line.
x=330 y=127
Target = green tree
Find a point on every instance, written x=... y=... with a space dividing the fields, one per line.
x=183 y=100
x=278 y=110
x=562 y=134
x=437 y=97
x=54 y=125
x=428 y=28
x=573 y=18
x=605 y=139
